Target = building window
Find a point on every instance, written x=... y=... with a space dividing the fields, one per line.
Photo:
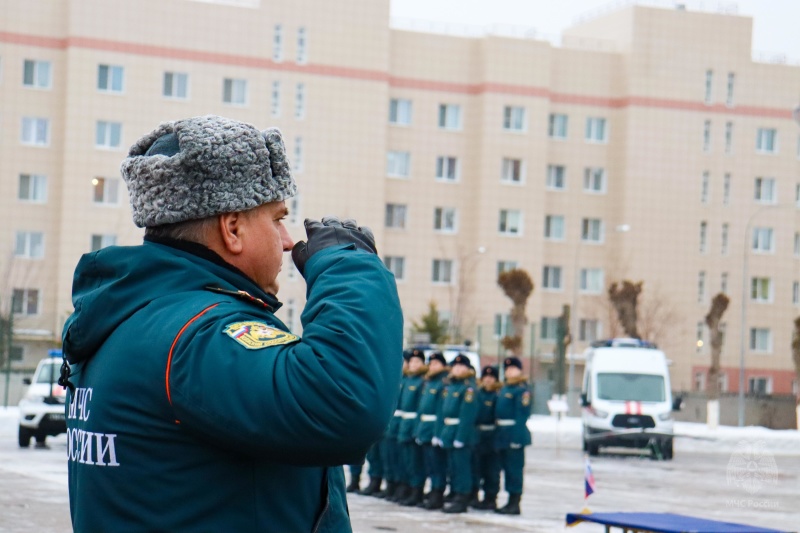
x=709 y=86
x=36 y=74
x=795 y=293
x=762 y=240
x=591 y=230
x=557 y=126
x=556 y=177
x=554 y=227
x=396 y=216
x=298 y=155
x=596 y=129
x=725 y=229
x=442 y=271
x=726 y=189
x=797 y=244
x=105 y=191
x=549 y=328
x=700 y=336
x=594 y=180
x=729 y=92
x=707 y=136
x=589 y=330
x=102 y=241
x=32 y=188
x=767 y=141
x=17 y=353
x=291 y=314
x=701 y=286
x=176 y=85
x=291 y=271
x=29 y=245
x=276 y=98
x=551 y=277
x=234 y=91
x=510 y=222
x=759 y=385
x=699 y=381
x=511 y=171
x=110 y=78
x=444 y=219
x=450 y=116
x=277 y=44
x=503 y=326
x=302 y=46
x=400 y=112
x=25 y=302
x=514 y=118
x=447 y=168
x=761 y=290
x=398 y=164
x=704 y=188
x=797 y=195
x=35 y=131
x=396 y=265
x=505 y=266
x=765 y=190
x=300 y=101
x=723 y=283
x=108 y=134
x=760 y=339
x=592 y=280
x=294 y=210
x=703 y=237
x=728 y=137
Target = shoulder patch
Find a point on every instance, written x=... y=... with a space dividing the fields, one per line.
x=526 y=398
x=257 y=335
x=468 y=395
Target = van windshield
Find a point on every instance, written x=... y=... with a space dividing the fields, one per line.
x=49 y=372
x=630 y=387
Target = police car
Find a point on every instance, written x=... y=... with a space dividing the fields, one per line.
x=42 y=409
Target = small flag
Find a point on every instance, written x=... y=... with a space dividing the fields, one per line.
x=588 y=479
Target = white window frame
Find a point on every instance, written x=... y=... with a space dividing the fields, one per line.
x=558 y=126
x=767 y=141
x=703 y=237
x=704 y=186
x=505 y=266
x=766 y=190
x=396 y=216
x=32 y=188
x=701 y=286
x=29 y=245
x=276 y=98
x=724 y=238
x=596 y=130
x=108 y=135
x=100 y=241
x=294 y=210
x=592 y=176
x=589 y=329
x=235 y=91
x=729 y=137
x=548 y=328
x=726 y=189
x=760 y=340
x=448 y=169
x=400 y=111
x=300 y=101
x=707 y=135
x=40 y=74
x=21 y=297
x=591 y=226
x=554 y=227
x=398 y=164
x=763 y=240
x=450 y=117
x=445 y=220
x=753 y=380
x=277 y=43
x=302 y=46
x=556 y=173
x=175 y=85
x=761 y=289
x=514 y=119
x=442 y=272
x=108 y=189
x=592 y=281
x=502 y=325
x=113 y=82
x=396 y=264
x=796 y=293
x=512 y=171
x=552 y=278
x=298 y=165
x=509 y=222
x=797 y=243
x=709 y=87
x=729 y=91
x=35 y=131
x=723 y=283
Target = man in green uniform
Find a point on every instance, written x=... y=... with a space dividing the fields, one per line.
x=486 y=460
x=191 y=406
x=512 y=410
x=390 y=450
x=410 y=452
x=375 y=470
x=355 y=477
x=457 y=432
x=430 y=404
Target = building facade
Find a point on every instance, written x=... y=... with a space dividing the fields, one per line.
x=649 y=146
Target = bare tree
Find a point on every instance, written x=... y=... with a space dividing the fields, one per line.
x=714 y=322
x=656 y=315
x=518 y=286
x=624 y=297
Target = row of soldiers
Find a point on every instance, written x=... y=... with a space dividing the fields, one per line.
x=454 y=431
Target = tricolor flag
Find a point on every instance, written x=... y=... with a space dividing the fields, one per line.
x=588 y=479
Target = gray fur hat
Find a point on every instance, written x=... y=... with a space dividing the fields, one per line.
x=203 y=166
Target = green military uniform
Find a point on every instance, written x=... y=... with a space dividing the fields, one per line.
x=486 y=460
x=413 y=475
x=390 y=450
x=434 y=457
x=375 y=462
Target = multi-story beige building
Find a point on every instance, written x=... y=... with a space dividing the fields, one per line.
x=649 y=146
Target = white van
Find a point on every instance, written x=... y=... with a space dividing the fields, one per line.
x=450 y=351
x=626 y=397
x=42 y=408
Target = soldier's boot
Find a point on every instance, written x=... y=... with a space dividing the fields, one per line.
x=512 y=507
x=435 y=500
x=489 y=503
x=355 y=484
x=390 y=486
x=414 y=497
x=400 y=493
x=474 y=501
x=373 y=488
x=458 y=505
x=450 y=496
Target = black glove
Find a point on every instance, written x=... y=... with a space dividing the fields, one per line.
x=330 y=232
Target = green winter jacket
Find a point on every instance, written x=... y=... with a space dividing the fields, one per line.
x=195 y=410
x=458 y=413
x=430 y=404
x=409 y=401
x=512 y=410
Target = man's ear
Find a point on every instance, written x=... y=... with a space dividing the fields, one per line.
x=230 y=227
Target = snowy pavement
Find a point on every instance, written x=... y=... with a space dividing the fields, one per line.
x=747 y=475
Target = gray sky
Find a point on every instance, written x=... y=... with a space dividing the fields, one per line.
x=775 y=22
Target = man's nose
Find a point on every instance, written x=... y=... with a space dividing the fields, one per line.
x=288 y=243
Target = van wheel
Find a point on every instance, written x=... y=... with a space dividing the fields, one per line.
x=25 y=435
x=666 y=449
x=585 y=444
x=593 y=448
